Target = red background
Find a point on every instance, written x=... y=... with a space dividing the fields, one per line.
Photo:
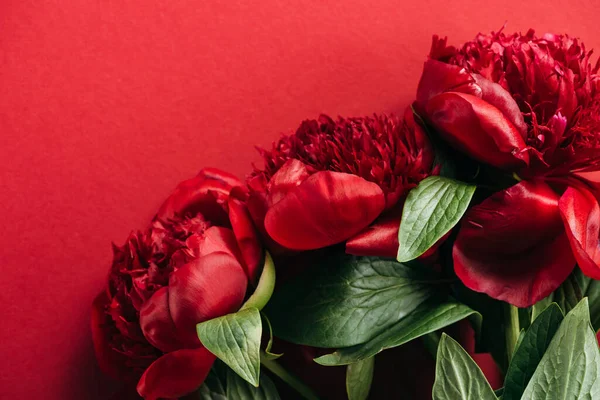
x=105 y=105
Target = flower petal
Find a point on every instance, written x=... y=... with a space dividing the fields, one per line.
x=203 y=194
x=112 y=363
x=206 y=288
x=157 y=324
x=290 y=175
x=581 y=215
x=327 y=208
x=247 y=239
x=379 y=239
x=439 y=77
x=500 y=98
x=513 y=245
x=175 y=374
x=216 y=174
x=479 y=129
x=217 y=239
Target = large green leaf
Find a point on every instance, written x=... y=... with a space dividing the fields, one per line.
x=347 y=300
x=590 y=288
x=457 y=376
x=238 y=389
x=235 y=339
x=428 y=317
x=359 y=377
x=530 y=351
x=570 y=368
x=431 y=210
x=215 y=384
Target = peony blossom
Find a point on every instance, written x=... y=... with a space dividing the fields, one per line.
x=192 y=264
x=340 y=181
x=530 y=106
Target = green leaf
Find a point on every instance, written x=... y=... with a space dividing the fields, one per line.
x=215 y=384
x=431 y=210
x=530 y=351
x=428 y=317
x=590 y=288
x=540 y=306
x=457 y=376
x=347 y=300
x=240 y=389
x=570 y=368
x=265 y=287
x=235 y=339
x=359 y=377
x=568 y=295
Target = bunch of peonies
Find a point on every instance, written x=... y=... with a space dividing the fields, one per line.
x=334 y=181
x=525 y=110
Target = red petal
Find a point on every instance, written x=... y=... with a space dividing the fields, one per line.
x=327 y=208
x=290 y=175
x=258 y=205
x=216 y=174
x=247 y=238
x=217 y=239
x=581 y=215
x=110 y=362
x=478 y=128
x=439 y=77
x=497 y=96
x=157 y=324
x=513 y=245
x=198 y=195
x=379 y=239
x=206 y=288
x=175 y=374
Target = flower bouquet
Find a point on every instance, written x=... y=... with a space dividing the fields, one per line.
x=366 y=250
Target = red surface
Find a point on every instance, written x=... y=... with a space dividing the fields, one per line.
x=106 y=105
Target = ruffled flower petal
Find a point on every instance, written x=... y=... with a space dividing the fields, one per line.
x=497 y=96
x=327 y=208
x=203 y=194
x=110 y=362
x=246 y=236
x=175 y=374
x=439 y=77
x=380 y=239
x=513 y=246
x=290 y=175
x=581 y=215
x=217 y=239
x=479 y=129
x=206 y=288
x=157 y=324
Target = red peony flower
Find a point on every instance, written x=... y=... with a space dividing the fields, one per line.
x=191 y=265
x=529 y=106
x=335 y=181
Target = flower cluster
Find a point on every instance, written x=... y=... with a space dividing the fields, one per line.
x=341 y=181
x=194 y=263
x=529 y=106
x=342 y=199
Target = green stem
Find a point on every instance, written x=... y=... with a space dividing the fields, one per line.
x=288 y=378
x=512 y=329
